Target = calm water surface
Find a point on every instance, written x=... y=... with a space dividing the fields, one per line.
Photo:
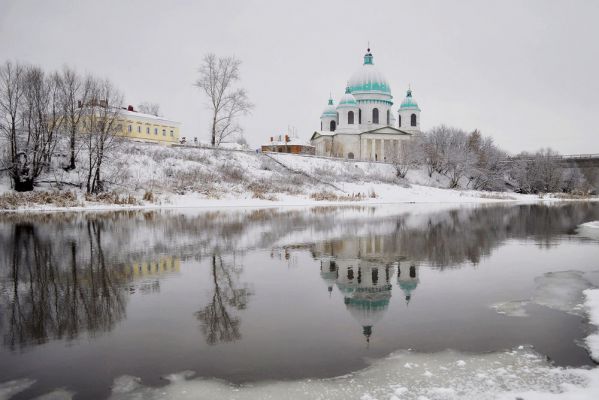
x=248 y=295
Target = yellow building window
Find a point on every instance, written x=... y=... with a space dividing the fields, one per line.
x=155 y=131
x=129 y=128
x=148 y=130
x=138 y=129
x=164 y=132
x=172 y=134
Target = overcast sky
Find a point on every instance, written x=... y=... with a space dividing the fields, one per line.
x=524 y=72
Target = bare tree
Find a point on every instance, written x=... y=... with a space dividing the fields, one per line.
x=31 y=117
x=489 y=169
x=217 y=80
x=101 y=120
x=540 y=172
x=11 y=95
x=149 y=108
x=75 y=92
x=434 y=149
x=409 y=156
x=217 y=321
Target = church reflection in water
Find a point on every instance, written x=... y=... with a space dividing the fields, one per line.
x=363 y=270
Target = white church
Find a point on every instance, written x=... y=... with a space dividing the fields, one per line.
x=363 y=125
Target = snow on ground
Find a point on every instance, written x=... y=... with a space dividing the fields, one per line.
x=202 y=177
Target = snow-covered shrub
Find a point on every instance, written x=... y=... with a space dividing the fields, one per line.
x=13 y=200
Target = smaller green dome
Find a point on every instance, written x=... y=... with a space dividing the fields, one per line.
x=409 y=103
x=329 y=111
x=348 y=99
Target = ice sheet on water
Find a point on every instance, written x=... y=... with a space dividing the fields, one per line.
x=10 y=388
x=438 y=376
x=562 y=291
x=592 y=307
x=512 y=308
x=558 y=290
x=589 y=230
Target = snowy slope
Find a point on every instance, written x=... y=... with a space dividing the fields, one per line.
x=204 y=177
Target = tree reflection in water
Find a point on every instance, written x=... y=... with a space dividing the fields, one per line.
x=217 y=322
x=54 y=293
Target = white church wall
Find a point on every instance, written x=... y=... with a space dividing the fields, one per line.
x=406 y=116
x=381 y=147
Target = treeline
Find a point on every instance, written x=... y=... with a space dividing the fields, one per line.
x=59 y=113
x=473 y=161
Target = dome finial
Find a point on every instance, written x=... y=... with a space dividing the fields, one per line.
x=368 y=56
x=367 y=331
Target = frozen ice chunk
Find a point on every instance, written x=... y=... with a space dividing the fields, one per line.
x=562 y=291
x=512 y=308
x=592 y=306
x=589 y=230
x=10 y=388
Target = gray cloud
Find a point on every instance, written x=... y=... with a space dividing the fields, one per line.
x=524 y=72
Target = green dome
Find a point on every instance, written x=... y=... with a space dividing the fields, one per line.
x=409 y=103
x=368 y=79
x=329 y=111
x=348 y=100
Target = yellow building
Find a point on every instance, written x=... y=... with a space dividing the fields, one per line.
x=147 y=128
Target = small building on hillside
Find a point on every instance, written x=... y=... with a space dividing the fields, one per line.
x=142 y=127
x=286 y=144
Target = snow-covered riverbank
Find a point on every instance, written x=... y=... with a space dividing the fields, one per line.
x=145 y=176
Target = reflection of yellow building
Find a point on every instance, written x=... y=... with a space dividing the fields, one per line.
x=165 y=265
x=147 y=128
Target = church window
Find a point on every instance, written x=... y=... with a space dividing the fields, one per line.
x=375 y=115
x=360 y=116
x=412 y=272
x=350 y=117
x=375 y=276
x=320 y=125
x=350 y=156
x=350 y=274
x=333 y=126
x=413 y=120
x=388 y=117
x=399 y=119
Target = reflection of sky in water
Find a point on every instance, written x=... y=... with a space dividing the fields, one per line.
x=278 y=294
